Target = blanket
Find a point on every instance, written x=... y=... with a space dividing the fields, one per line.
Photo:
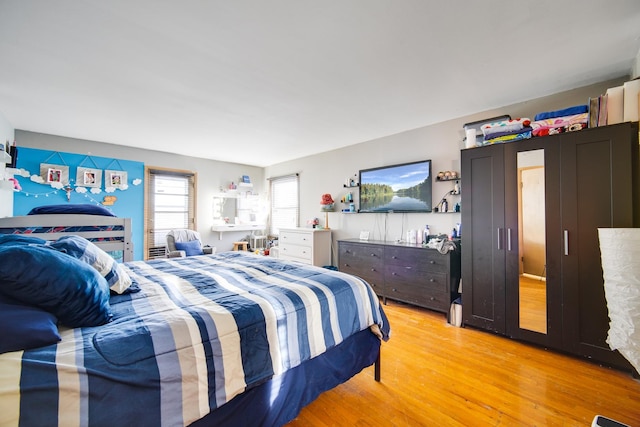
x=570 y=111
x=511 y=125
x=201 y=330
x=559 y=124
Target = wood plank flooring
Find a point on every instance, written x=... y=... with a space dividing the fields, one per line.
x=434 y=374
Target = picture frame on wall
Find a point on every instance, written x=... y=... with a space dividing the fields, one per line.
x=116 y=179
x=54 y=174
x=88 y=177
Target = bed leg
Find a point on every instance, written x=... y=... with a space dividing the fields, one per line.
x=376 y=374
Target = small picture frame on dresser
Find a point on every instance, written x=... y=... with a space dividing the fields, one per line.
x=364 y=235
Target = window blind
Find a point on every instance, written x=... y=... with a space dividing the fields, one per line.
x=284 y=203
x=170 y=205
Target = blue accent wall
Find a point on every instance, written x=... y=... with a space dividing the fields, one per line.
x=129 y=203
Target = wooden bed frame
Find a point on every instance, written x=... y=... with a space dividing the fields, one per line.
x=53 y=226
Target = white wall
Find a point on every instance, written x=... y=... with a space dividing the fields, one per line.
x=7 y=133
x=6 y=187
x=442 y=142
x=211 y=174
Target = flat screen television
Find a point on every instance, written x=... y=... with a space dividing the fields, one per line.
x=397 y=188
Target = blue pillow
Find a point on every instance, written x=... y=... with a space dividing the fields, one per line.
x=192 y=247
x=20 y=239
x=85 y=251
x=24 y=327
x=68 y=288
x=72 y=208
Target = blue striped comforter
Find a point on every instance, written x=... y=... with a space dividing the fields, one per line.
x=201 y=331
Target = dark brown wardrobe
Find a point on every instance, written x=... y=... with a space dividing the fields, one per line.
x=530 y=252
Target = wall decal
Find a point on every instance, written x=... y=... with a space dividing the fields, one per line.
x=109 y=200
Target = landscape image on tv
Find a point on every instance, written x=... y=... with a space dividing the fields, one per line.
x=398 y=188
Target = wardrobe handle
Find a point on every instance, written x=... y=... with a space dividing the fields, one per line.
x=499 y=233
x=566 y=242
x=509 y=239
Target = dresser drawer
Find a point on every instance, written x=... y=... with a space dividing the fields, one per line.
x=427 y=281
x=372 y=276
x=295 y=238
x=288 y=251
x=419 y=295
x=418 y=259
x=367 y=255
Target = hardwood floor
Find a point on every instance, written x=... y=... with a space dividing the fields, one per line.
x=434 y=374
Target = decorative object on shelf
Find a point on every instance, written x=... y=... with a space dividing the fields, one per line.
x=313 y=222
x=15 y=183
x=443 y=205
x=351 y=182
x=447 y=176
x=326 y=206
x=246 y=179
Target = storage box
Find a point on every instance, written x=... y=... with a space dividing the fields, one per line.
x=475 y=126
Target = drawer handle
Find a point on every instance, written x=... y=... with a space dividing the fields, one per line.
x=432 y=299
x=394 y=257
x=432 y=280
x=373 y=269
x=394 y=274
x=408 y=267
x=373 y=254
x=394 y=290
x=432 y=262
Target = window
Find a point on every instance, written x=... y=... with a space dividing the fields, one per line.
x=284 y=203
x=170 y=204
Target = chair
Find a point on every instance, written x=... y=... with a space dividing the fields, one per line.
x=182 y=243
x=258 y=241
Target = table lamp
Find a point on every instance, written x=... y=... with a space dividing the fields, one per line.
x=326 y=206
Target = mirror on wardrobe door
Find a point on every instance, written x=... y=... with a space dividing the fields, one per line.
x=531 y=228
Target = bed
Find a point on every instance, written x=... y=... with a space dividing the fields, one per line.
x=110 y=233
x=226 y=339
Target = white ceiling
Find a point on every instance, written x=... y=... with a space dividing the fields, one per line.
x=264 y=81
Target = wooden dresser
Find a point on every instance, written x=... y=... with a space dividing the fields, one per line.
x=307 y=245
x=408 y=273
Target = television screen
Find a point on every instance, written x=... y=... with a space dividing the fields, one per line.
x=396 y=188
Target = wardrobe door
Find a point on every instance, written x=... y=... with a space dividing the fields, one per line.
x=533 y=292
x=483 y=251
x=598 y=184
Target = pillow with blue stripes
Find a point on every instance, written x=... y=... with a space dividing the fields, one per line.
x=82 y=249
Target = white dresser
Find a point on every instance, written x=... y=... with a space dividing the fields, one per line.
x=307 y=245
